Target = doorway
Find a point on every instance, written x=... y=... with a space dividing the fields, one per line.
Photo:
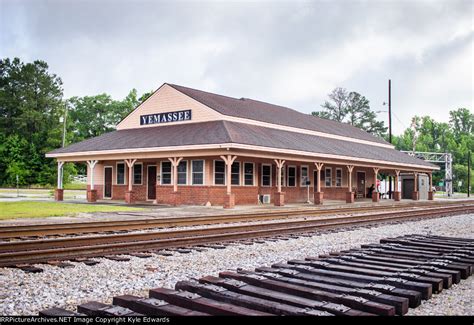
x=151 y=183
x=360 y=185
x=408 y=186
x=108 y=182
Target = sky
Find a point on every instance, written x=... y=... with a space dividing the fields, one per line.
x=291 y=53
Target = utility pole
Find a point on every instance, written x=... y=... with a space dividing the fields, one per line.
x=390 y=111
x=469 y=174
x=390 y=130
x=64 y=124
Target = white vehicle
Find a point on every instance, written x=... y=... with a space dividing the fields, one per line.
x=80 y=179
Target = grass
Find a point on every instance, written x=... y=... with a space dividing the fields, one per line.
x=34 y=209
x=75 y=186
x=34 y=189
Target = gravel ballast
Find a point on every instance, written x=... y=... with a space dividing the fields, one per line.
x=27 y=293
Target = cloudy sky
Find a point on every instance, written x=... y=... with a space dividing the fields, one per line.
x=291 y=53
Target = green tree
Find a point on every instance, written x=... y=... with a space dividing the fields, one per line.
x=145 y=96
x=360 y=115
x=91 y=116
x=455 y=137
x=351 y=108
x=336 y=109
x=30 y=106
x=462 y=121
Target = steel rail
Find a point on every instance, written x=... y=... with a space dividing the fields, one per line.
x=123 y=244
x=99 y=239
x=41 y=230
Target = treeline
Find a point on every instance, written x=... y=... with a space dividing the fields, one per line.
x=424 y=134
x=32 y=103
x=31 y=111
x=455 y=137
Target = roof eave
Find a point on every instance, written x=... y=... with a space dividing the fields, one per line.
x=319 y=156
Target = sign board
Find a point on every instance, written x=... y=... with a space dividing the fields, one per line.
x=440 y=184
x=168 y=117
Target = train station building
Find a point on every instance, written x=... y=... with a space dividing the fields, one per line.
x=185 y=146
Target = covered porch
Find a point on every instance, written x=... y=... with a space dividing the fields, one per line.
x=233 y=176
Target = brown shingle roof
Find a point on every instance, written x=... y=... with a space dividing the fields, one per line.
x=218 y=132
x=265 y=112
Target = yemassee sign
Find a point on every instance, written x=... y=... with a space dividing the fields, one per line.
x=165 y=117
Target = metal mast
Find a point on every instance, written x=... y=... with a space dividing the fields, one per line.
x=438 y=157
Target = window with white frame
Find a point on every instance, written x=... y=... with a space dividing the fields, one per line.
x=235 y=173
x=266 y=175
x=338 y=177
x=248 y=174
x=137 y=174
x=198 y=172
x=183 y=172
x=120 y=174
x=165 y=173
x=304 y=175
x=291 y=176
x=327 y=177
x=219 y=172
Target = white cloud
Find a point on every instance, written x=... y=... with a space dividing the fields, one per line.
x=283 y=52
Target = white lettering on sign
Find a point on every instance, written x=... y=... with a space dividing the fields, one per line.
x=165 y=117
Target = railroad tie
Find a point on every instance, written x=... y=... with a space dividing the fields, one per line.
x=202 y=304
x=454 y=275
x=153 y=307
x=58 y=312
x=94 y=308
x=425 y=289
x=348 y=300
x=117 y=258
x=377 y=279
x=269 y=289
x=400 y=303
x=222 y=294
x=414 y=297
x=368 y=268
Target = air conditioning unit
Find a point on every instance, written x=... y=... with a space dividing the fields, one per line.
x=266 y=198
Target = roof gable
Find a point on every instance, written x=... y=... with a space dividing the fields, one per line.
x=164 y=100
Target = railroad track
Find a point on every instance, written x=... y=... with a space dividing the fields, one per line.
x=53 y=229
x=37 y=251
x=379 y=279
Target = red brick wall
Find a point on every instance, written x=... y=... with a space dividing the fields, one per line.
x=200 y=195
x=118 y=192
x=100 y=191
x=334 y=193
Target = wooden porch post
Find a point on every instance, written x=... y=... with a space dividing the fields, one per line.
x=318 y=195
x=430 y=191
x=397 y=195
x=91 y=192
x=415 y=195
x=280 y=196
x=230 y=201
x=129 y=197
x=174 y=165
x=375 y=193
x=59 y=192
x=350 y=192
